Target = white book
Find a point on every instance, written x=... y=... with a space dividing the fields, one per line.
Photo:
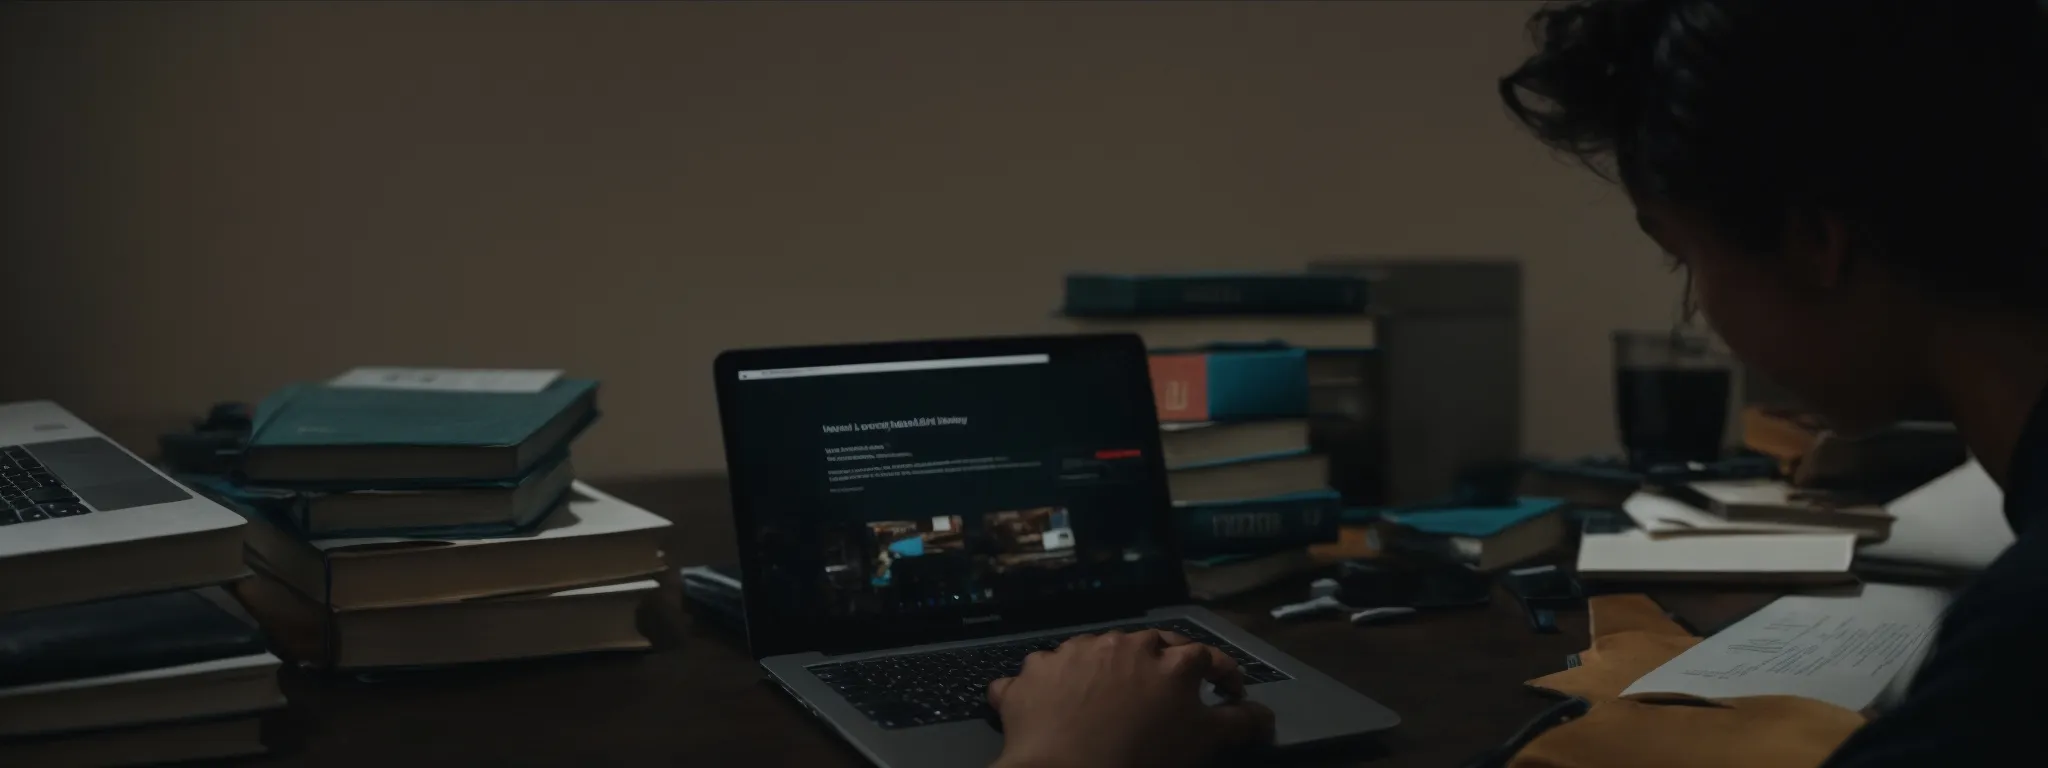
x=594 y=537
x=1635 y=555
x=583 y=619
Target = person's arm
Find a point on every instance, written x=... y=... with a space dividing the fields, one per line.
x=1117 y=700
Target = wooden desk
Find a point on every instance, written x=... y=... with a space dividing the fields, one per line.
x=698 y=700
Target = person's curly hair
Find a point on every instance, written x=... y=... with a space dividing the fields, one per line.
x=1918 y=123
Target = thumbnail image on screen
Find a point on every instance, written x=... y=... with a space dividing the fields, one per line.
x=901 y=566
x=1030 y=538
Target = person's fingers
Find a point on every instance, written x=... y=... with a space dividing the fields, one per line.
x=1147 y=639
x=1201 y=662
x=1035 y=659
x=1241 y=723
x=1155 y=639
x=995 y=691
x=1078 y=641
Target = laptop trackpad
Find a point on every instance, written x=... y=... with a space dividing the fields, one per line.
x=104 y=475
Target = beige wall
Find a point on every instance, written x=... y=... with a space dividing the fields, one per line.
x=207 y=201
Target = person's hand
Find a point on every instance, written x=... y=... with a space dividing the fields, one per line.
x=1118 y=699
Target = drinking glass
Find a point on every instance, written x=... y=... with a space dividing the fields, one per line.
x=1671 y=391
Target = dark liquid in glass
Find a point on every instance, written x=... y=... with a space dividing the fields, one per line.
x=1671 y=415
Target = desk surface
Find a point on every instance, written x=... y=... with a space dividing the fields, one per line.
x=1455 y=677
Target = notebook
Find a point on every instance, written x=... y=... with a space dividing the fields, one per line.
x=1634 y=555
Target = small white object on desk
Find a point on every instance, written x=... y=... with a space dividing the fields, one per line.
x=1371 y=615
x=1312 y=607
x=1322 y=588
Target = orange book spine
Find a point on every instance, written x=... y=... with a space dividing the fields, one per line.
x=1180 y=387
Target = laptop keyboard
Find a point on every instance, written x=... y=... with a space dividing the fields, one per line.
x=945 y=686
x=30 y=492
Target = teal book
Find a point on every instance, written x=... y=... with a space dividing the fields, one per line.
x=359 y=437
x=1482 y=538
x=1213 y=293
x=487 y=508
x=1230 y=385
x=1250 y=526
x=1478 y=522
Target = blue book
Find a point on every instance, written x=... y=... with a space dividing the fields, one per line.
x=1213 y=293
x=1250 y=526
x=489 y=508
x=1484 y=538
x=1230 y=385
x=357 y=437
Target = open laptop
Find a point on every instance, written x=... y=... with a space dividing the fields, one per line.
x=81 y=518
x=914 y=518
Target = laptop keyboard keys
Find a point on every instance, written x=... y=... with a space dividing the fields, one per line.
x=49 y=495
x=30 y=492
x=950 y=686
x=65 y=509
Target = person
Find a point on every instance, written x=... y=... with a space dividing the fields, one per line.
x=1857 y=192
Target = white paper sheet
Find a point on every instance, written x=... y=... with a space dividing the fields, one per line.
x=447 y=379
x=1842 y=650
x=1957 y=521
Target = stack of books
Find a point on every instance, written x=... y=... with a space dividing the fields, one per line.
x=1670 y=539
x=134 y=655
x=1247 y=372
x=1832 y=497
x=163 y=677
x=421 y=520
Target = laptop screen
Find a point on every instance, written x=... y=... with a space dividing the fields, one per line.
x=916 y=490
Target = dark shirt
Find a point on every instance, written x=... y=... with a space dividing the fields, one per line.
x=1979 y=700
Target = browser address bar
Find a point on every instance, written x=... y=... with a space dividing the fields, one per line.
x=906 y=365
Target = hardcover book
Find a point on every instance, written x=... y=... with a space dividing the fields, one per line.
x=360 y=437
x=1230 y=385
